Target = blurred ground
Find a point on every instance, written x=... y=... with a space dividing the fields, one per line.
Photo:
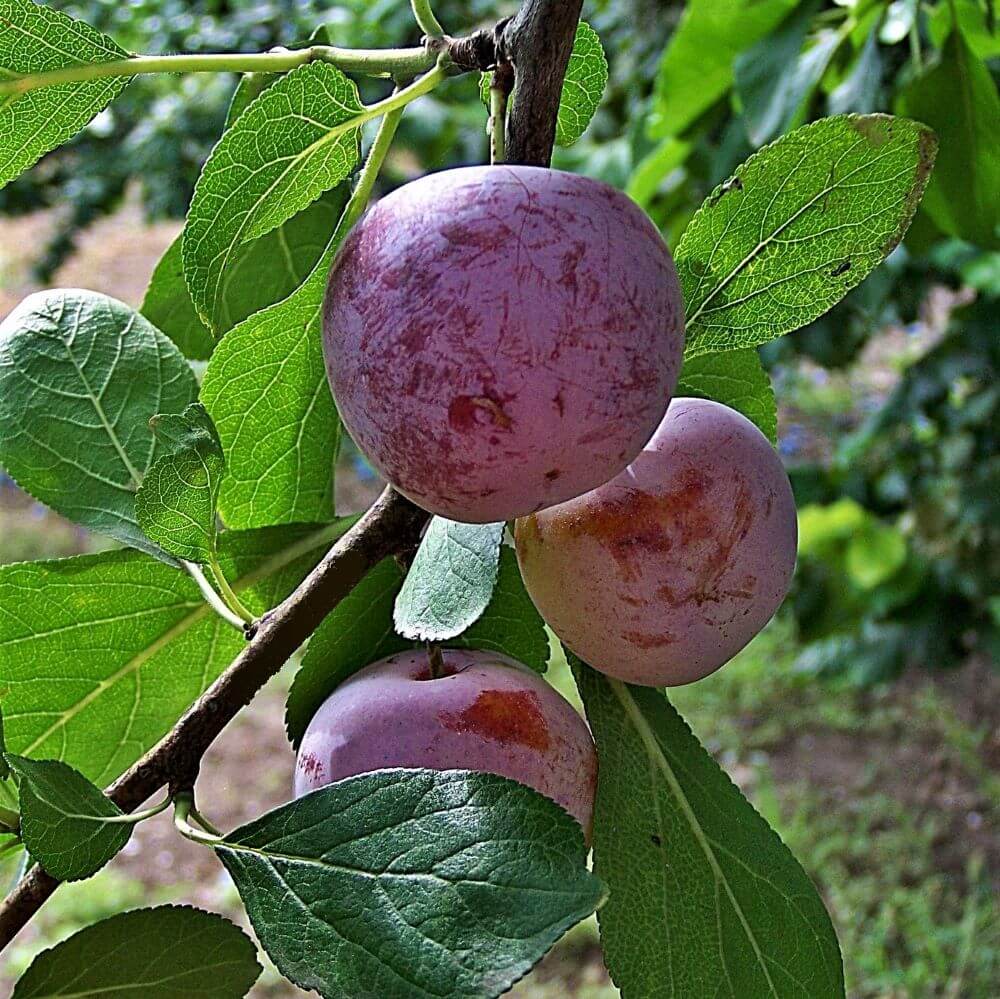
x=889 y=797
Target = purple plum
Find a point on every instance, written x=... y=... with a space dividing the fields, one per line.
x=500 y=339
x=663 y=574
x=485 y=712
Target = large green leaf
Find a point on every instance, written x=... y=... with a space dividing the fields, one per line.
x=100 y=654
x=260 y=273
x=80 y=377
x=705 y=900
x=959 y=99
x=775 y=79
x=737 y=379
x=176 y=503
x=360 y=631
x=412 y=884
x=267 y=390
x=451 y=580
x=38 y=39
x=299 y=138
x=161 y=953
x=797 y=226
x=63 y=819
x=697 y=65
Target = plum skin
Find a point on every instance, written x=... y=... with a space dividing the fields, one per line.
x=502 y=338
x=487 y=713
x=662 y=575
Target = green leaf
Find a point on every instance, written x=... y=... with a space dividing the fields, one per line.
x=80 y=377
x=4 y=765
x=101 y=654
x=63 y=819
x=797 y=226
x=650 y=172
x=858 y=91
x=697 y=67
x=38 y=39
x=301 y=137
x=583 y=87
x=267 y=390
x=775 y=80
x=360 y=631
x=875 y=553
x=260 y=273
x=737 y=379
x=176 y=504
x=168 y=306
x=702 y=890
x=959 y=99
x=511 y=624
x=412 y=884
x=451 y=580
x=161 y=953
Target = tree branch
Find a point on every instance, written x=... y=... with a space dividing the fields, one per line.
x=392 y=525
x=538 y=42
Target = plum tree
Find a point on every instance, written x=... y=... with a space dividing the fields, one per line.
x=663 y=574
x=486 y=319
x=482 y=711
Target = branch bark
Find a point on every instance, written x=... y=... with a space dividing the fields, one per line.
x=538 y=41
x=391 y=526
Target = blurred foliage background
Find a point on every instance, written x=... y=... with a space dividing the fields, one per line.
x=890 y=412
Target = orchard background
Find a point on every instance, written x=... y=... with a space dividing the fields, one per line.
x=864 y=721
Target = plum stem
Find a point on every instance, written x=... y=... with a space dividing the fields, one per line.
x=435 y=660
x=501 y=83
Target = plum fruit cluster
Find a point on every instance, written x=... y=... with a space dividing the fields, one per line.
x=503 y=342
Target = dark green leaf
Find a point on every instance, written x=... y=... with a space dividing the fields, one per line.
x=360 y=631
x=267 y=390
x=176 y=504
x=37 y=39
x=80 y=377
x=163 y=953
x=510 y=625
x=858 y=91
x=776 y=78
x=451 y=580
x=959 y=100
x=702 y=890
x=63 y=819
x=101 y=654
x=737 y=379
x=412 y=884
x=301 y=137
x=697 y=66
x=797 y=226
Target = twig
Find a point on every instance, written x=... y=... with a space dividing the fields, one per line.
x=392 y=524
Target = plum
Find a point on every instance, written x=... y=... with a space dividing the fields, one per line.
x=482 y=712
x=502 y=338
x=663 y=574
